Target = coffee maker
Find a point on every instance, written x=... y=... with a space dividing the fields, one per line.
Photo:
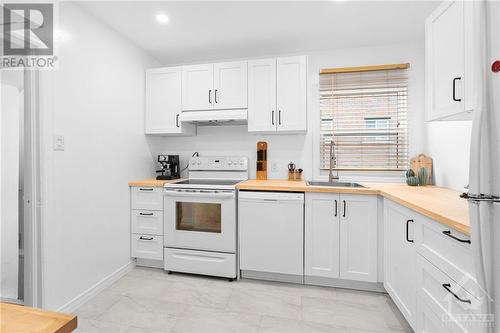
x=169 y=167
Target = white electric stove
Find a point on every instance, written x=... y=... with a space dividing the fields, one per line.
x=200 y=217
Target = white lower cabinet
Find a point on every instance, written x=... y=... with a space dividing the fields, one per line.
x=147 y=247
x=399 y=258
x=341 y=236
x=322 y=235
x=358 y=237
x=428 y=321
x=146 y=225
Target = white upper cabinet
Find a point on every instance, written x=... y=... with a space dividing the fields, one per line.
x=449 y=59
x=358 y=237
x=291 y=93
x=400 y=259
x=163 y=102
x=197 y=87
x=230 y=85
x=214 y=86
x=277 y=90
x=262 y=95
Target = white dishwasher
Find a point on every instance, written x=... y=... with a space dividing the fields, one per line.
x=271 y=235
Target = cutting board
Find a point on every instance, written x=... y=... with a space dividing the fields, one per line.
x=422 y=161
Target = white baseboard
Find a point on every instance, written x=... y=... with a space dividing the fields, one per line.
x=79 y=300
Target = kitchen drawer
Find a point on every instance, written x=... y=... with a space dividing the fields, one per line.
x=148 y=222
x=200 y=262
x=428 y=321
x=147 y=246
x=432 y=286
x=148 y=198
x=447 y=249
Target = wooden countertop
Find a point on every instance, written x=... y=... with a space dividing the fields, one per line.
x=152 y=182
x=22 y=319
x=440 y=204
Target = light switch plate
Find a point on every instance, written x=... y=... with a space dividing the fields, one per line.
x=58 y=142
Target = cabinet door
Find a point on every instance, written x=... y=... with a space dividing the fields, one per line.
x=197 y=87
x=292 y=93
x=358 y=237
x=230 y=85
x=322 y=235
x=262 y=95
x=399 y=259
x=163 y=100
x=445 y=52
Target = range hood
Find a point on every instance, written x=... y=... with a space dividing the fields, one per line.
x=215 y=117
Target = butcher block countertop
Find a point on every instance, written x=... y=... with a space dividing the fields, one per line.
x=152 y=182
x=440 y=204
x=22 y=319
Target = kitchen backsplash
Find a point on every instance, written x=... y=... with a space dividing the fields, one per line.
x=235 y=140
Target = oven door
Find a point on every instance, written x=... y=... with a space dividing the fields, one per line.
x=200 y=219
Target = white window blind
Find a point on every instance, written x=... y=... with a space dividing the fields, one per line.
x=365 y=114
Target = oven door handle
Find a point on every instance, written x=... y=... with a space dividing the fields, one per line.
x=199 y=193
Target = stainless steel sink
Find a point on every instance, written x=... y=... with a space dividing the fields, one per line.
x=335 y=184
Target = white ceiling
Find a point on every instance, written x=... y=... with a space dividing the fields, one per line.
x=203 y=31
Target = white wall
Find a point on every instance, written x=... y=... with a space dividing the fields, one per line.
x=97 y=103
x=304 y=149
x=448 y=143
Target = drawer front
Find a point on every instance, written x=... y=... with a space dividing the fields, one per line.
x=428 y=321
x=447 y=249
x=200 y=262
x=148 y=198
x=148 y=222
x=441 y=294
x=147 y=246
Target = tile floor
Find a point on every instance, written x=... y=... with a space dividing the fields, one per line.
x=149 y=300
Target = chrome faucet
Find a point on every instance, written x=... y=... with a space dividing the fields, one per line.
x=333 y=161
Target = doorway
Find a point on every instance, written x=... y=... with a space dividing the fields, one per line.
x=20 y=280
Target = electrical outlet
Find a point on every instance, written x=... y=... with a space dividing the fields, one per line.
x=58 y=142
x=274 y=167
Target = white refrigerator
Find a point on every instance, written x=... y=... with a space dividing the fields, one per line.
x=484 y=171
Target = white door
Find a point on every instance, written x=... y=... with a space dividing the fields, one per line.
x=358 y=237
x=164 y=101
x=445 y=60
x=197 y=87
x=292 y=93
x=230 y=85
x=271 y=229
x=322 y=235
x=262 y=112
x=399 y=259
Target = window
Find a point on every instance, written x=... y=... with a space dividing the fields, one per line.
x=364 y=112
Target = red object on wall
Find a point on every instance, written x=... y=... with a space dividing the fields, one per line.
x=495 y=67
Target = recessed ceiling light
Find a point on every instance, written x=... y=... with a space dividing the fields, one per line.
x=161 y=18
